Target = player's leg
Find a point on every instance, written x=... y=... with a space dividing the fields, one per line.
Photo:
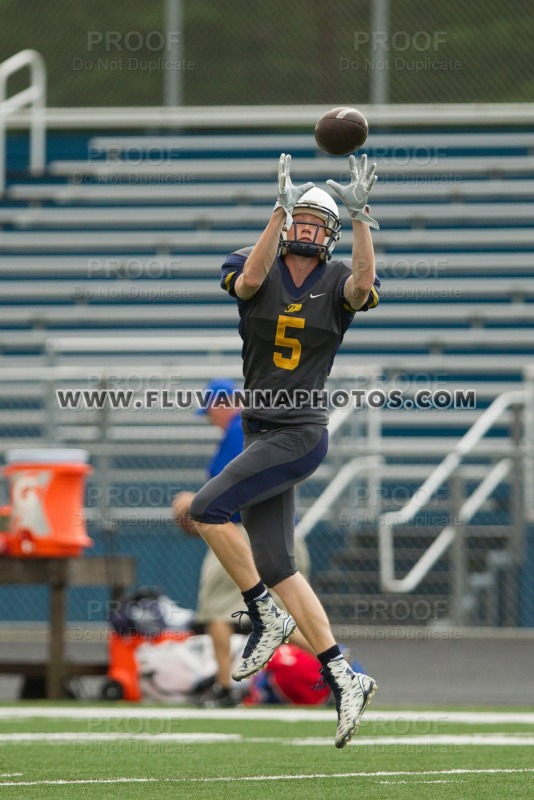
x=270 y=465
x=307 y=611
x=270 y=526
x=270 y=625
x=303 y=565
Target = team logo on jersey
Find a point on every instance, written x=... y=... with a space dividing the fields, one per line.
x=292 y=307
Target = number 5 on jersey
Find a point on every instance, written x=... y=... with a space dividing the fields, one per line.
x=281 y=340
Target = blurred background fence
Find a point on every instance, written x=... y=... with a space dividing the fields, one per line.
x=373 y=475
x=108 y=279
x=245 y=52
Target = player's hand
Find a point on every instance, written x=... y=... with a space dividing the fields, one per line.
x=288 y=194
x=355 y=195
x=181 y=505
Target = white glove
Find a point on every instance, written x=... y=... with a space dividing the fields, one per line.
x=288 y=194
x=355 y=195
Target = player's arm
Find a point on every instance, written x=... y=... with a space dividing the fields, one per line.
x=263 y=253
x=261 y=257
x=359 y=284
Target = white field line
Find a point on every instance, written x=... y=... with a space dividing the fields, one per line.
x=276 y=714
x=259 y=778
x=69 y=738
x=428 y=740
x=421 y=740
x=396 y=783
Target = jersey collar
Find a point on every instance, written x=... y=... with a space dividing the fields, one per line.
x=297 y=291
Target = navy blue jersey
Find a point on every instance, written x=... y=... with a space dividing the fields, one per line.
x=290 y=336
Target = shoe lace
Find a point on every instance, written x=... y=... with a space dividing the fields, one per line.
x=240 y=615
x=257 y=629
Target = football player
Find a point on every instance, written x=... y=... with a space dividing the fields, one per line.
x=295 y=305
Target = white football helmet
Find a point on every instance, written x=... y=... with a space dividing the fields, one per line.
x=319 y=203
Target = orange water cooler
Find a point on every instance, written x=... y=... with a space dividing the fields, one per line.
x=46 y=490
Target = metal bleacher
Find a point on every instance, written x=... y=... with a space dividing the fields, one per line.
x=113 y=261
x=102 y=248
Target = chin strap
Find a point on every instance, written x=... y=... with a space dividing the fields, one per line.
x=307 y=249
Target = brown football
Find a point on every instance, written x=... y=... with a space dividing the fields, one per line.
x=341 y=131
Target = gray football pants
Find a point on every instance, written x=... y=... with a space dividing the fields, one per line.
x=260 y=484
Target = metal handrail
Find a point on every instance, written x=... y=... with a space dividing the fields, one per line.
x=414 y=577
x=34 y=95
x=426 y=115
x=442 y=472
x=528 y=373
x=343 y=478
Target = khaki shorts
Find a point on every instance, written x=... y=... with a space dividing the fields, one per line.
x=218 y=595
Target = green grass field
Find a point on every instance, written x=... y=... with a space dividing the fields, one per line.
x=83 y=752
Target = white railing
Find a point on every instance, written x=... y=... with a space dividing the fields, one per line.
x=288 y=116
x=529 y=443
x=421 y=498
x=34 y=96
x=323 y=503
